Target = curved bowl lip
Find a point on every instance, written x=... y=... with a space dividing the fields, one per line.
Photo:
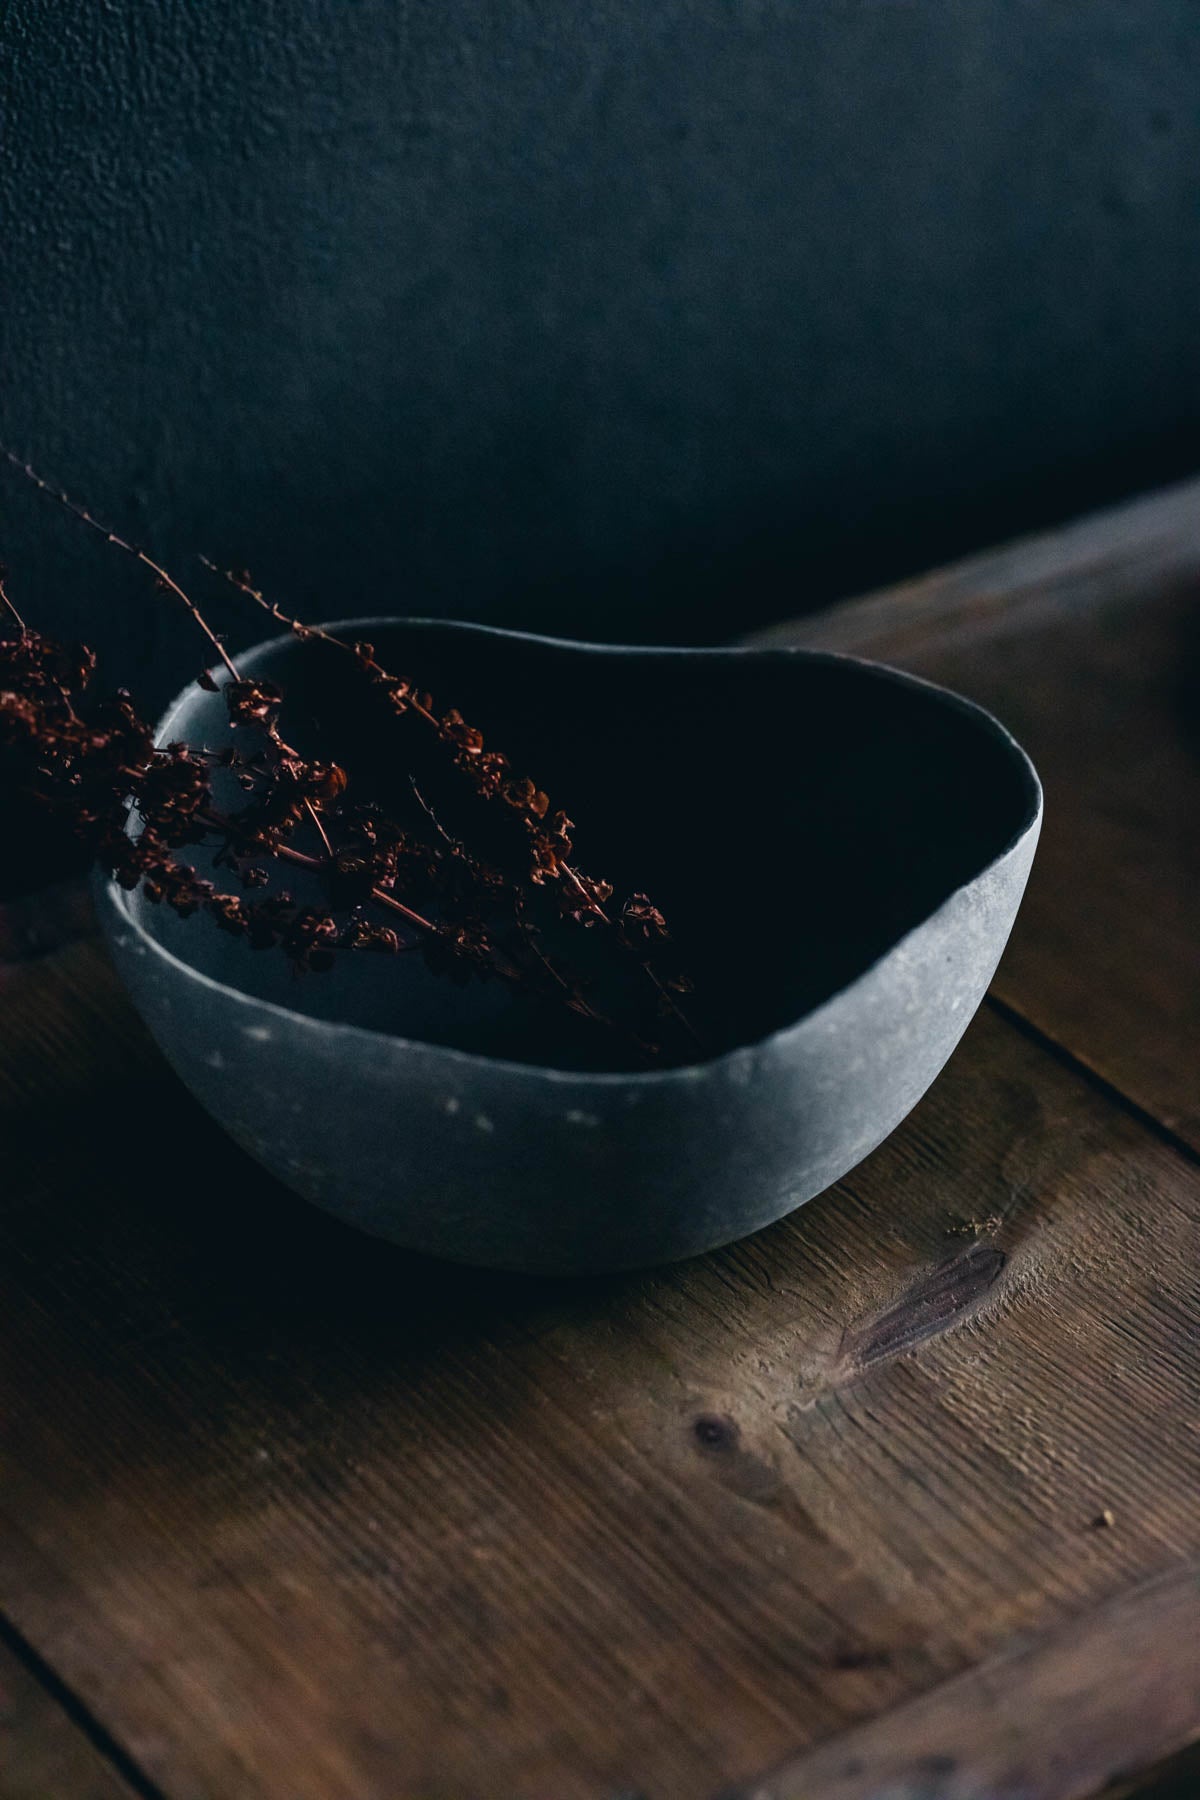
x=118 y=900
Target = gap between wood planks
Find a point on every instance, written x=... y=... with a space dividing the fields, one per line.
x=79 y=1747
x=1071 y=1059
x=1035 y=1722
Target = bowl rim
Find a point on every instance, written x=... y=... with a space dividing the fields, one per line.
x=118 y=900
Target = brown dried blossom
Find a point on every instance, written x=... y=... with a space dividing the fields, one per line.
x=584 y=899
x=91 y=760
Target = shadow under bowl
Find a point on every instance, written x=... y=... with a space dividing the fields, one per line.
x=840 y=849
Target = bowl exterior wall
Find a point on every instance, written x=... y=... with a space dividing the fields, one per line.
x=531 y=1169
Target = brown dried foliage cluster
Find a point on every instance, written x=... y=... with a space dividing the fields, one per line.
x=384 y=886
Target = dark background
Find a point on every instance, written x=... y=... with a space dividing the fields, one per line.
x=618 y=319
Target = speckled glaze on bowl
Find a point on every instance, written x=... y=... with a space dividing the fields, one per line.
x=853 y=841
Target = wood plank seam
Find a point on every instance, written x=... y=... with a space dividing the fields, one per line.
x=76 y=1710
x=1070 y=1059
x=1153 y=535
x=992 y=1733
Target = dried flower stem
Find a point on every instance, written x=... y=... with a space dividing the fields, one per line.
x=112 y=537
x=578 y=1002
x=503 y=965
x=172 y=586
x=167 y=581
x=173 y=800
x=6 y=602
x=299 y=859
x=414 y=703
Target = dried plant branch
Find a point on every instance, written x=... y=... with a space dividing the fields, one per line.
x=95 y=763
x=7 y=603
x=114 y=538
x=165 y=581
x=524 y=794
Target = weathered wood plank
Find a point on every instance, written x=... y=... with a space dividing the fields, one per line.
x=1087 y=644
x=1039 y=1721
x=1142 y=546
x=44 y=1754
x=303 y=1519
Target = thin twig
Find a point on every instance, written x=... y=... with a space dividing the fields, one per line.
x=576 y=998
x=169 y=582
x=301 y=860
x=422 y=802
x=7 y=603
x=503 y=965
x=412 y=700
x=113 y=537
x=500 y=961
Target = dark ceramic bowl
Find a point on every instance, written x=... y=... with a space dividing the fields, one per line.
x=841 y=850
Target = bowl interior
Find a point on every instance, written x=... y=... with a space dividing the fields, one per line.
x=793 y=816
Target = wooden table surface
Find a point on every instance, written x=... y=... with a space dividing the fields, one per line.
x=900 y=1497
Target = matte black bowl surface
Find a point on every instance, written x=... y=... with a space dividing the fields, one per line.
x=841 y=850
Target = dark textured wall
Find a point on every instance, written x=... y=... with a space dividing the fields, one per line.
x=622 y=319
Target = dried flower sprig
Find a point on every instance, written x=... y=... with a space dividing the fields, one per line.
x=638 y=925
x=93 y=761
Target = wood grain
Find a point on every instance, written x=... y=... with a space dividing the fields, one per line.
x=1087 y=644
x=1039 y=1721
x=44 y=1755
x=300 y=1518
